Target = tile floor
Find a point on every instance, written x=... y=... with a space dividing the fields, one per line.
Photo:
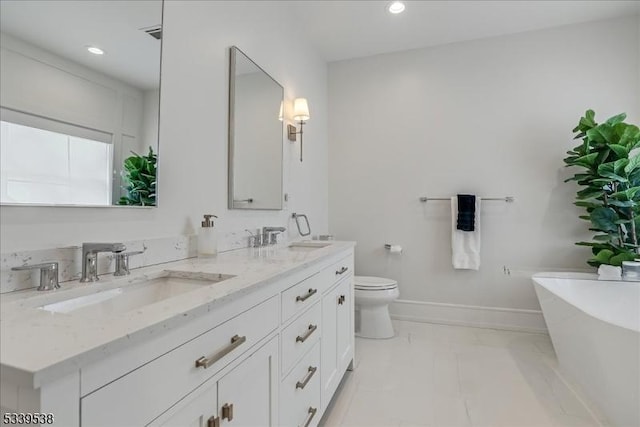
x=451 y=376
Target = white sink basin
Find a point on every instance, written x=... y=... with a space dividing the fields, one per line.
x=133 y=296
x=307 y=245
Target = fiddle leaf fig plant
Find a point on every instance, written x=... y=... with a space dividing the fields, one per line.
x=609 y=159
x=139 y=176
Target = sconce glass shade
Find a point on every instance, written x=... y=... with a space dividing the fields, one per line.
x=300 y=110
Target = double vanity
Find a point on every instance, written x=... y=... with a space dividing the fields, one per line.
x=252 y=337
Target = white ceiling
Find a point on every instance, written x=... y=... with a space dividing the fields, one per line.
x=350 y=29
x=65 y=28
x=338 y=29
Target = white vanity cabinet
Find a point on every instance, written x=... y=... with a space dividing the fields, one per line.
x=272 y=355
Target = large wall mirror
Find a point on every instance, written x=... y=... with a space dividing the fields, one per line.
x=79 y=102
x=255 y=136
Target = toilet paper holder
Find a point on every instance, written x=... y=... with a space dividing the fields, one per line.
x=393 y=248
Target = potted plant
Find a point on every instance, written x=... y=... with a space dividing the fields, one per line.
x=610 y=181
x=139 y=176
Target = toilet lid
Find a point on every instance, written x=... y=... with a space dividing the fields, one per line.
x=366 y=282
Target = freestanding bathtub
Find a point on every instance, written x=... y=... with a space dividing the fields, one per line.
x=595 y=330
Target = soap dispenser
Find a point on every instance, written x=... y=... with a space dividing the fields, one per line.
x=207 y=238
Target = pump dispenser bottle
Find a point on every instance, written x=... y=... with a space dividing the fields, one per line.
x=207 y=238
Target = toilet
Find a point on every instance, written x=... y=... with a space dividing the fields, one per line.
x=372 y=298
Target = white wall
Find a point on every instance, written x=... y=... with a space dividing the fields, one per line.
x=193 y=133
x=491 y=117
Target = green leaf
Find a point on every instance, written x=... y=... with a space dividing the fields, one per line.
x=620 y=150
x=633 y=164
x=628 y=194
x=609 y=170
x=622 y=203
x=602 y=134
x=619 y=166
x=586 y=161
x=616 y=119
x=585 y=204
x=589 y=193
x=619 y=258
x=602 y=238
x=603 y=256
x=629 y=134
x=604 y=219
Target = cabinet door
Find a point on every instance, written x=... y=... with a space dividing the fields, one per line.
x=198 y=409
x=247 y=395
x=328 y=344
x=344 y=335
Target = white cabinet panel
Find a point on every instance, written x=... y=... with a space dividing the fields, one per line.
x=247 y=396
x=337 y=336
x=198 y=409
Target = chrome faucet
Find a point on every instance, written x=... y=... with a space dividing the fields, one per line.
x=269 y=235
x=90 y=258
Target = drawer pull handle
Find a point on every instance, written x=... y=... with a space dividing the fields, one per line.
x=236 y=342
x=227 y=411
x=302 y=384
x=309 y=294
x=213 y=422
x=311 y=330
x=341 y=299
x=312 y=413
x=342 y=270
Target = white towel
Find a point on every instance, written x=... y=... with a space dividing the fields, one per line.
x=465 y=245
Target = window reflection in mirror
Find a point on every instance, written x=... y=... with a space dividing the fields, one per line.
x=71 y=118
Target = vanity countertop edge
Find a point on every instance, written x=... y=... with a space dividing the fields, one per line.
x=39 y=347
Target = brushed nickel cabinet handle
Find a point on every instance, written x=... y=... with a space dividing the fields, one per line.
x=205 y=362
x=302 y=384
x=342 y=270
x=213 y=422
x=309 y=294
x=310 y=330
x=227 y=411
x=312 y=413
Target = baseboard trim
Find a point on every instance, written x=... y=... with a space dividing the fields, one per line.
x=510 y=319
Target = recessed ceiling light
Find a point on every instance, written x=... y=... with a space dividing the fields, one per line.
x=396 y=7
x=95 y=50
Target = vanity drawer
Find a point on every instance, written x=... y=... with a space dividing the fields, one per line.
x=297 y=338
x=341 y=269
x=300 y=391
x=141 y=395
x=303 y=295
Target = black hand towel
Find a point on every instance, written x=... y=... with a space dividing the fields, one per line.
x=466 y=212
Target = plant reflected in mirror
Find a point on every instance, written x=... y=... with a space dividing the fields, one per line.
x=139 y=177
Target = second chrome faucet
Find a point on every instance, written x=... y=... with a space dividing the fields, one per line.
x=90 y=258
x=266 y=237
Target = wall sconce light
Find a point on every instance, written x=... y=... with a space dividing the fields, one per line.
x=301 y=115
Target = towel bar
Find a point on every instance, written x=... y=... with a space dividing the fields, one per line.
x=508 y=199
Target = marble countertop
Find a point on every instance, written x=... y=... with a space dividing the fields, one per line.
x=38 y=345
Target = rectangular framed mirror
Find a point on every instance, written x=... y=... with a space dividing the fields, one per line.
x=255 y=136
x=79 y=102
